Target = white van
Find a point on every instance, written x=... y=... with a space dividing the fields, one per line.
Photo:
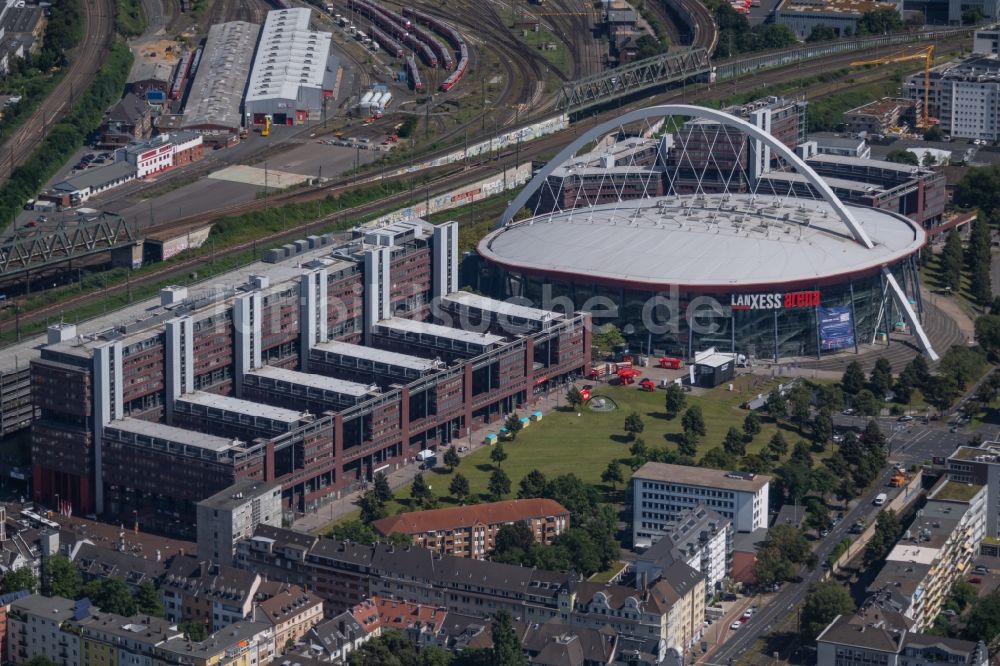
x=880 y=499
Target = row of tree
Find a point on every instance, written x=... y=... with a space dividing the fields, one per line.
x=69 y=134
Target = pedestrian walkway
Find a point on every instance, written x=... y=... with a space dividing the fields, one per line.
x=402 y=475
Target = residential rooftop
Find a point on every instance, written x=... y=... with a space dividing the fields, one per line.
x=952 y=490
x=509 y=511
x=238 y=494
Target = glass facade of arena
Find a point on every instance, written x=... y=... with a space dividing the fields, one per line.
x=857 y=311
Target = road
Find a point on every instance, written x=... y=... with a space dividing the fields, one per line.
x=910 y=443
x=90 y=55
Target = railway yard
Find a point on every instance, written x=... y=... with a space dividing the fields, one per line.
x=478 y=78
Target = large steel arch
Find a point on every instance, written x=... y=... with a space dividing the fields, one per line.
x=698 y=112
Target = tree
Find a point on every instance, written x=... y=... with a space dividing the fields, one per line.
x=607 y=338
x=817 y=516
x=634 y=425
x=984 y=620
x=823 y=481
x=776 y=406
x=381 y=487
x=674 y=400
x=771 y=566
x=879 y=22
x=62 y=578
x=751 y=425
x=734 y=444
x=649 y=46
x=451 y=459
x=777 y=447
x=796 y=480
x=638 y=449
x=687 y=445
x=420 y=491
x=149 y=601
x=801 y=455
x=799 y=402
x=933 y=133
x=867 y=403
x=979 y=188
x=532 y=485
x=514 y=536
x=829 y=397
x=459 y=488
x=372 y=508
x=821 y=33
x=824 y=602
x=717 y=458
x=498 y=455
x=988 y=335
x=887 y=532
x=499 y=484
x=951 y=262
x=880 y=379
x=507 y=650
x=693 y=422
x=756 y=463
x=822 y=428
x=573 y=397
x=853 y=379
x=111 y=595
x=900 y=156
x=355 y=531
x=513 y=425
x=20 y=579
x=612 y=474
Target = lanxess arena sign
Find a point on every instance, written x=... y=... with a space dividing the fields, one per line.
x=775 y=301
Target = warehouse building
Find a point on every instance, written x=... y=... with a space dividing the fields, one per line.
x=215 y=96
x=293 y=71
x=840 y=15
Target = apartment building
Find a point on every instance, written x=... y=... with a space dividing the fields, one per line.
x=877 y=636
x=881 y=116
x=239 y=644
x=34 y=628
x=699 y=537
x=233 y=514
x=290 y=611
x=662 y=492
x=670 y=611
x=964 y=96
x=109 y=639
x=470 y=531
x=939 y=546
x=214 y=594
x=980 y=466
x=156 y=407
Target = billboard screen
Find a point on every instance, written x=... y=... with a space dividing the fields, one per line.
x=836 y=330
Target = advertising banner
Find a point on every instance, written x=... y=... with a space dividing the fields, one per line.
x=836 y=330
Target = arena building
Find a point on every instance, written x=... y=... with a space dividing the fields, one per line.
x=761 y=274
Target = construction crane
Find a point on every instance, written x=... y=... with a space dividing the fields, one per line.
x=927 y=55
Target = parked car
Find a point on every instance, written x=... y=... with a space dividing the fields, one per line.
x=463 y=449
x=905 y=418
x=976 y=580
x=981 y=569
x=736 y=625
x=848 y=412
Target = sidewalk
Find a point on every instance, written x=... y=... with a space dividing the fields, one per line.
x=404 y=473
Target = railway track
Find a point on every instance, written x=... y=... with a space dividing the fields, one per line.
x=90 y=55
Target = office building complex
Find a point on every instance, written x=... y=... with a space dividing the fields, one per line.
x=699 y=537
x=964 y=96
x=153 y=409
x=661 y=493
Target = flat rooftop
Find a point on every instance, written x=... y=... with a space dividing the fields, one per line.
x=881 y=106
x=988 y=453
x=217 y=89
x=320 y=382
x=378 y=355
x=835 y=183
x=502 y=308
x=974 y=68
x=857 y=7
x=247 y=488
x=702 y=477
x=236 y=406
x=172 y=434
x=702 y=242
x=959 y=492
x=436 y=330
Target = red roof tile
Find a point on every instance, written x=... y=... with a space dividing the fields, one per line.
x=508 y=511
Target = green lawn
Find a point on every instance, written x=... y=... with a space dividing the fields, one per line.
x=564 y=442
